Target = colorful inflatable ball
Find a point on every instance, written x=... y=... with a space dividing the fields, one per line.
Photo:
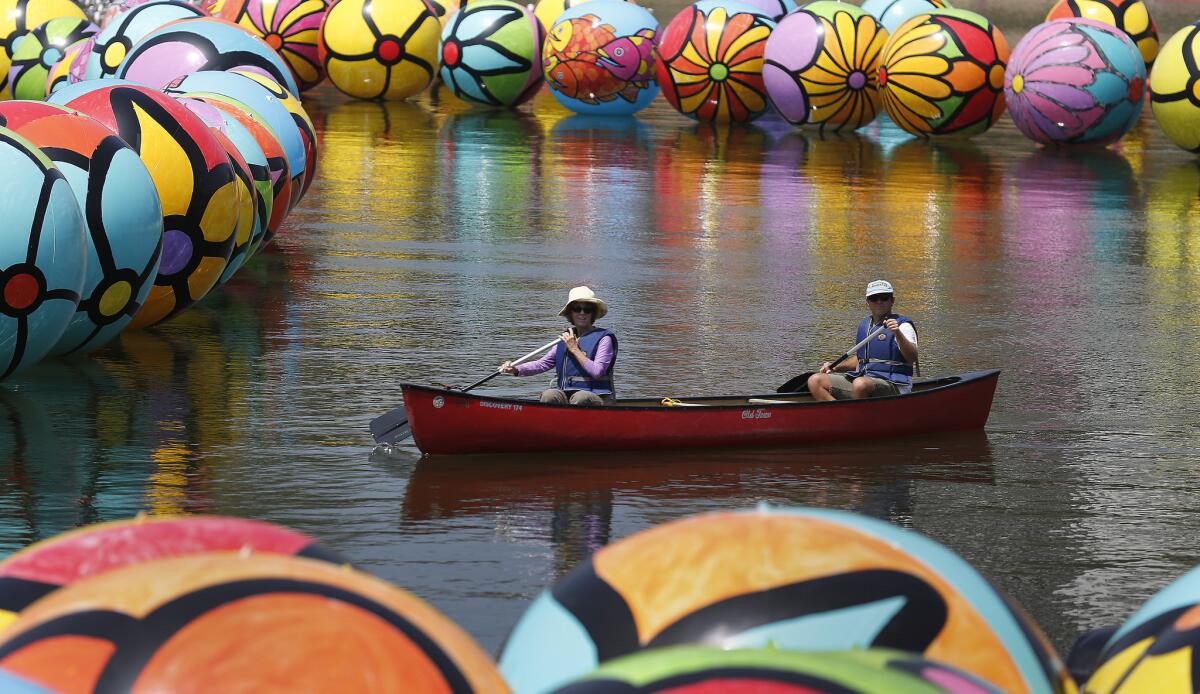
x=710 y=61
x=794 y=579
x=599 y=58
x=1075 y=81
x=65 y=559
x=304 y=124
x=380 y=49
x=241 y=621
x=123 y=31
x=42 y=255
x=202 y=44
x=942 y=73
x=195 y=182
x=38 y=51
x=1175 y=88
x=822 y=66
x=1130 y=16
x=290 y=27
x=548 y=11
x=491 y=53
x=122 y=217
x=892 y=13
x=700 y=669
x=60 y=74
x=18 y=17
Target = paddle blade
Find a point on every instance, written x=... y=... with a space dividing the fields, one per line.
x=799 y=384
x=391 y=427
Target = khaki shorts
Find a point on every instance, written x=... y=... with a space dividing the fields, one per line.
x=841 y=384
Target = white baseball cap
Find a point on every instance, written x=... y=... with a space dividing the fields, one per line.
x=879 y=287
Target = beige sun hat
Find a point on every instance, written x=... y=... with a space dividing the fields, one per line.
x=585 y=294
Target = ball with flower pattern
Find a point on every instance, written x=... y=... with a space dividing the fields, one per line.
x=379 y=49
x=492 y=53
x=942 y=73
x=1175 y=88
x=711 y=61
x=37 y=52
x=288 y=26
x=1130 y=16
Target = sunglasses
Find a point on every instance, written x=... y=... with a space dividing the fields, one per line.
x=879 y=297
x=584 y=308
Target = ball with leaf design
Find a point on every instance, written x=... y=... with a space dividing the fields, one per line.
x=491 y=52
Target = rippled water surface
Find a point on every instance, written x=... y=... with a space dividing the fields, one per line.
x=438 y=241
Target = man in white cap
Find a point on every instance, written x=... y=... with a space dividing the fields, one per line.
x=584 y=358
x=884 y=366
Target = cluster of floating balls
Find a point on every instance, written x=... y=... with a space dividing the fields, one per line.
x=146 y=160
x=777 y=599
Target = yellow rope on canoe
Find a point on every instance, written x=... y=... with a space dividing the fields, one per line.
x=670 y=402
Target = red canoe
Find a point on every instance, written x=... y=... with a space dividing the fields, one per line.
x=448 y=421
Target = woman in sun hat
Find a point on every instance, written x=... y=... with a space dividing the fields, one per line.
x=584 y=358
x=884 y=366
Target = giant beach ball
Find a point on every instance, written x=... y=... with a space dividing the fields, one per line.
x=822 y=66
x=599 y=58
x=202 y=44
x=1175 y=88
x=195 y=184
x=290 y=27
x=1130 y=16
x=1075 y=81
x=38 y=51
x=892 y=13
x=792 y=579
x=242 y=621
x=548 y=11
x=119 y=36
x=42 y=254
x=122 y=216
x=380 y=49
x=710 y=61
x=18 y=17
x=491 y=53
x=942 y=73
x=60 y=73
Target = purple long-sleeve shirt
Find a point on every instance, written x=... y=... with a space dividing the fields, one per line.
x=595 y=368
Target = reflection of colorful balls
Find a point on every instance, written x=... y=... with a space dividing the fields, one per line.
x=1075 y=81
x=491 y=53
x=822 y=66
x=1174 y=90
x=229 y=621
x=18 y=17
x=380 y=49
x=599 y=58
x=290 y=27
x=38 y=51
x=119 y=36
x=942 y=73
x=60 y=74
x=892 y=13
x=195 y=185
x=1130 y=16
x=122 y=217
x=710 y=61
x=42 y=257
x=202 y=44
x=79 y=554
x=794 y=579
x=304 y=124
x=696 y=668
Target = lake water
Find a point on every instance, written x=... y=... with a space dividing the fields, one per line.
x=437 y=242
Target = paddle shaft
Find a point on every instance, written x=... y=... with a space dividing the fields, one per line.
x=522 y=360
x=857 y=347
x=799 y=384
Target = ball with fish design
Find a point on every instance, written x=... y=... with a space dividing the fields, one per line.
x=119 y=36
x=822 y=65
x=304 y=124
x=122 y=217
x=549 y=11
x=19 y=16
x=599 y=58
x=796 y=578
x=202 y=44
x=37 y=52
x=242 y=621
x=942 y=73
x=60 y=74
x=1174 y=94
x=892 y=13
x=491 y=53
x=700 y=669
x=1075 y=81
x=195 y=184
x=380 y=49
x=710 y=61
x=73 y=556
x=42 y=256
x=290 y=27
x=1130 y=16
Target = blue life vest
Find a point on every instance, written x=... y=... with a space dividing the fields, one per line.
x=881 y=357
x=571 y=375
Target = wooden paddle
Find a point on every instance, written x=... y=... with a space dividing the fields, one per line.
x=393 y=427
x=799 y=384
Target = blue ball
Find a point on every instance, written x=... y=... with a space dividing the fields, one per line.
x=119 y=36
